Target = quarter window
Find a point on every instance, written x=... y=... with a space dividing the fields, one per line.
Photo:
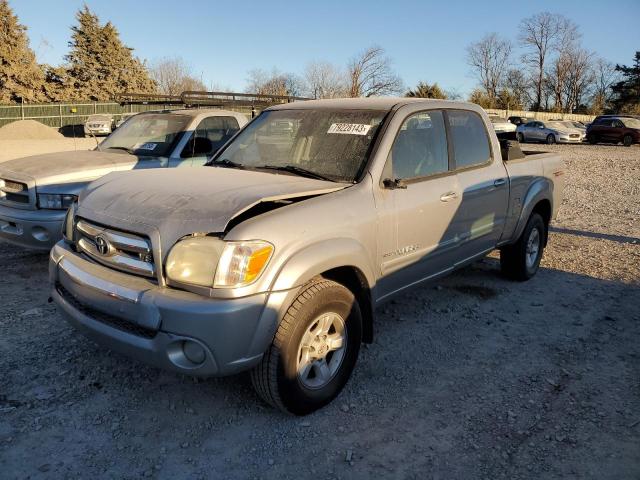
x=469 y=138
x=420 y=149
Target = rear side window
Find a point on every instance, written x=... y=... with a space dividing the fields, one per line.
x=420 y=149
x=217 y=129
x=469 y=138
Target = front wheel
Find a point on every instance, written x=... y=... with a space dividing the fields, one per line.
x=521 y=260
x=520 y=137
x=592 y=139
x=551 y=139
x=314 y=350
x=627 y=140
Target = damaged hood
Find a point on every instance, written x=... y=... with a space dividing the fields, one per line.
x=173 y=203
x=68 y=167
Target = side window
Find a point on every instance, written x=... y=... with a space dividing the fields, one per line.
x=215 y=129
x=420 y=149
x=469 y=138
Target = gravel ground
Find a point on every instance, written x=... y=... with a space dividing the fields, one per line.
x=473 y=377
x=10 y=149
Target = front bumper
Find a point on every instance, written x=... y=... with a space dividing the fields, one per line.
x=568 y=139
x=162 y=326
x=38 y=229
x=97 y=130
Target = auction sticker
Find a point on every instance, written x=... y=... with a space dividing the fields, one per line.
x=145 y=146
x=349 y=128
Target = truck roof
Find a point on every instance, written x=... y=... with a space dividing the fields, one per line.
x=372 y=103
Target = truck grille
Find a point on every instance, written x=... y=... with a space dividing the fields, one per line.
x=12 y=191
x=119 y=250
x=114 y=322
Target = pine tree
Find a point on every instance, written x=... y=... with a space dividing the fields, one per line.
x=20 y=75
x=99 y=64
x=627 y=90
x=424 y=90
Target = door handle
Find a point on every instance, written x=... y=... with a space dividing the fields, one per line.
x=499 y=182
x=445 y=197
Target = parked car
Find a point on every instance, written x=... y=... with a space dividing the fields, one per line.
x=610 y=129
x=100 y=124
x=549 y=132
x=274 y=257
x=35 y=192
x=501 y=125
x=518 y=120
x=123 y=118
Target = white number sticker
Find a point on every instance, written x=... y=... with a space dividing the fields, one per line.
x=349 y=128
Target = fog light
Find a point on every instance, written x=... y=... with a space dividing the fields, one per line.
x=193 y=351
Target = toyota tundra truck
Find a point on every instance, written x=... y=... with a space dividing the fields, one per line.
x=35 y=192
x=274 y=257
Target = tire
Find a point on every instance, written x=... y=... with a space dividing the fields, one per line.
x=551 y=139
x=627 y=141
x=287 y=381
x=518 y=261
x=592 y=139
x=520 y=137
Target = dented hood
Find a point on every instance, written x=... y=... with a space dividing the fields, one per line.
x=173 y=203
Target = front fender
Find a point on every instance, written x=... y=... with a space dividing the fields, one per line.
x=540 y=189
x=320 y=257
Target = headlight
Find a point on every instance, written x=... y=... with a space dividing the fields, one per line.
x=242 y=263
x=211 y=262
x=56 y=201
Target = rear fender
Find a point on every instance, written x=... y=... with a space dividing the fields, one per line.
x=540 y=189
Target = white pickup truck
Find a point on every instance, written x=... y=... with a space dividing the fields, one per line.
x=35 y=192
x=274 y=257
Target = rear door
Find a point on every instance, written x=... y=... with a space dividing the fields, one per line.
x=422 y=210
x=482 y=178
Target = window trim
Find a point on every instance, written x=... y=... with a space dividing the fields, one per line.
x=486 y=132
x=421 y=178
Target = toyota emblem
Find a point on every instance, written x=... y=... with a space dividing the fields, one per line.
x=102 y=245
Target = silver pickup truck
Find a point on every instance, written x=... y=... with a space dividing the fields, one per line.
x=274 y=257
x=35 y=192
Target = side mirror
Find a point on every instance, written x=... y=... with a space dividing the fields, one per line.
x=397 y=184
x=541 y=126
x=199 y=146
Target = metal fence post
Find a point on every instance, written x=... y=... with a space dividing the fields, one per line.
x=95 y=107
x=60 y=111
x=22 y=108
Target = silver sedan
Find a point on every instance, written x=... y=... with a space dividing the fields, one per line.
x=549 y=132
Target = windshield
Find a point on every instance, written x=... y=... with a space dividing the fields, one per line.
x=148 y=134
x=99 y=118
x=631 y=122
x=569 y=124
x=556 y=125
x=498 y=120
x=329 y=143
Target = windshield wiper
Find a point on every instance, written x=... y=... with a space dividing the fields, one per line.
x=226 y=163
x=303 y=172
x=126 y=149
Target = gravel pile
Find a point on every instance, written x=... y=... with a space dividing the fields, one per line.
x=473 y=377
x=28 y=130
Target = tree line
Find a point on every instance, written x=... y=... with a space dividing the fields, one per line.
x=554 y=72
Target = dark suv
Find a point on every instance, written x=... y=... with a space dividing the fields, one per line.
x=614 y=129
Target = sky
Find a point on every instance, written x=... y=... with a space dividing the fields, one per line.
x=223 y=41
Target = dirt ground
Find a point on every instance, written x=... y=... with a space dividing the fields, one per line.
x=10 y=149
x=474 y=377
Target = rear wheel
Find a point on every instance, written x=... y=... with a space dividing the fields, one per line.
x=551 y=139
x=627 y=140
x=521 y=260
x=593 y=139
x=520 y=137
x=314 y=350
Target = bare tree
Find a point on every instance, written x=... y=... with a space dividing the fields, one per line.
x=518 y=86
x=174 y=76
x=541 y=34
x=324 y=80
x=604 y=77
x=489 y=59
x=370 y=74
x=580 y=78
x=274 y=83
